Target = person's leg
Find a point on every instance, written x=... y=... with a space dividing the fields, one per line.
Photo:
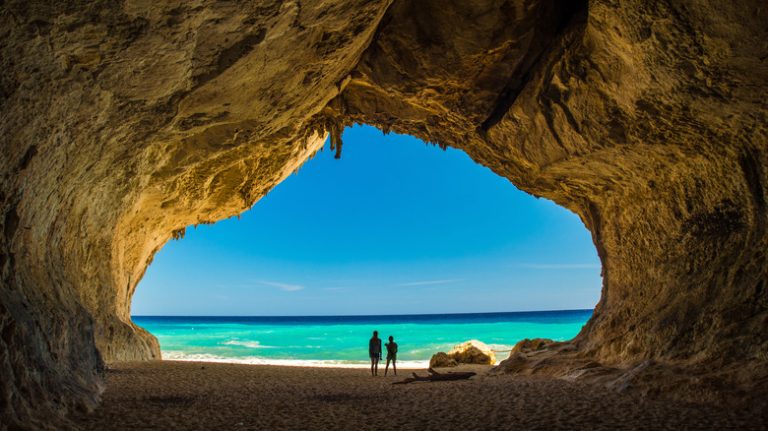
x=376 y=366
x=394 y=365
x=372 y=362
x=386 y=368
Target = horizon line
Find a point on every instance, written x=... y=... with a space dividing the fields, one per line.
x=367 y=315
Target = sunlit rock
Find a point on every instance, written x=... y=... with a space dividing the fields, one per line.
x=472 y=352
x=468 y=352
x=442 y=360
x=125 y=122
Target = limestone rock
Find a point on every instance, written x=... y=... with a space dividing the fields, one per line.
x=442 y=360
x=472 y=352
x=125 y=122
x=469 y=352
x=528 y=345
x=516 y=363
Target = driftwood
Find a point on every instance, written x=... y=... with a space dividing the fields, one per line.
x=434 y=376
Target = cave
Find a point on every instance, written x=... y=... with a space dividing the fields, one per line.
x=124 y=122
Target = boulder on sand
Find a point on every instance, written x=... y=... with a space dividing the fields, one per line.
x=473 y=352
x=442 y=360
x=470 y=352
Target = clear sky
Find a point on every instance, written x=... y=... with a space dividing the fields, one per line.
x=393 y=227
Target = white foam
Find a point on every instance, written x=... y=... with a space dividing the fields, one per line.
x=171 y=355
x=250 y=344
x=501 y=347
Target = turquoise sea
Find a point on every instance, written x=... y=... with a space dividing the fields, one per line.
x=343 y=340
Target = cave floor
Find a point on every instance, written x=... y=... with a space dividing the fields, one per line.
x=206 y=396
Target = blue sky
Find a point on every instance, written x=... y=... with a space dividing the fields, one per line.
x=393 y=227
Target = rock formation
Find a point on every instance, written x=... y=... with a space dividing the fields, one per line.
x=468 y=352
x=531 y=345
x=442 y=360
x=125 y=122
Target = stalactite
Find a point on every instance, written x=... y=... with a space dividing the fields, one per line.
x=178 y=233
x=335 y=130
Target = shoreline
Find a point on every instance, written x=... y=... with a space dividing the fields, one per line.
x=299 y=363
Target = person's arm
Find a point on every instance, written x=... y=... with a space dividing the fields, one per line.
x=379 y=348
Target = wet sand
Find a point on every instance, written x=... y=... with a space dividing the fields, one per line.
x=208 y=396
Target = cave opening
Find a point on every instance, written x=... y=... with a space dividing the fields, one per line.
x=443 y=247
x=129 y=121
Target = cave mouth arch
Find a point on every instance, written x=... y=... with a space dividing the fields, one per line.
x=123 y=125
x=396 y=227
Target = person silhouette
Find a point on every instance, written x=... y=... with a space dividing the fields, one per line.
x=374 y=352
x=391 y=355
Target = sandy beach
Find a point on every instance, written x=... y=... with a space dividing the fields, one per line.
x=211 y=396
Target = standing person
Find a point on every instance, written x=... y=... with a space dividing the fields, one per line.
x=391 y=355
x=374 y=351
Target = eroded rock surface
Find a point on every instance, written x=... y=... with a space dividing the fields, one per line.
x=442 y=360
x=531 y=345
x=469 y=352
x=122 y=123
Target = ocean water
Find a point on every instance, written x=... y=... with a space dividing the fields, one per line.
x=342 y=341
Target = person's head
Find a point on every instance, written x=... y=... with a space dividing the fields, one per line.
x=391 y=338
x=375 y=334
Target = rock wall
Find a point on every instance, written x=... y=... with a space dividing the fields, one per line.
x=125 y=122
x=648 y=120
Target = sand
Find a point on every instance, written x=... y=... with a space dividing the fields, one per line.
x=211 y=396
